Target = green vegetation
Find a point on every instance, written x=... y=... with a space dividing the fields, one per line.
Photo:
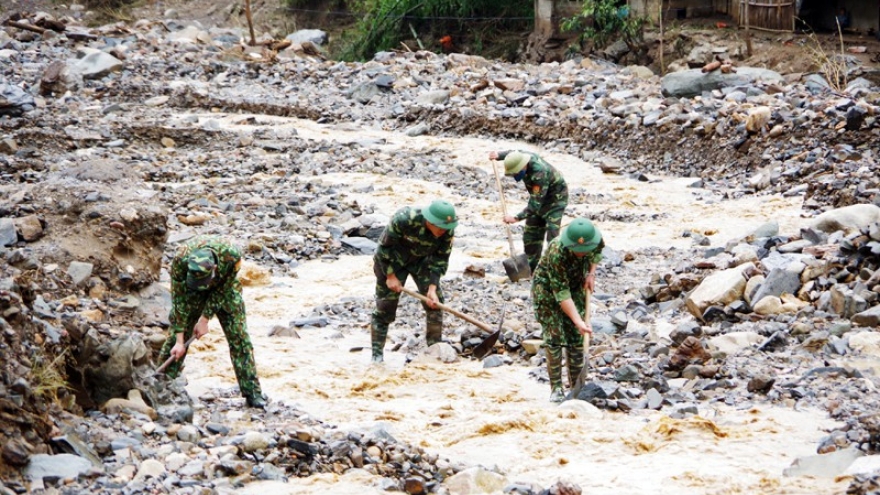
x=602 y=22
x=385 y=24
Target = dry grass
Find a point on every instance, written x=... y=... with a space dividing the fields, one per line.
x=49 y=377
x=831 y=64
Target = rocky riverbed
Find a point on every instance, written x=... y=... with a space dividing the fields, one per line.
x=741 y=276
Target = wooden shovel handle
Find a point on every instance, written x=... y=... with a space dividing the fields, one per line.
x=504 y=210
x=588 y=293
x=457 y=313
x=171 y=359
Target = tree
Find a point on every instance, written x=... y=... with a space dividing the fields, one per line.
x=603 y=22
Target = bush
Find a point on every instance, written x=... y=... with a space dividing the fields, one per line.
x=385 y=23
x=602 y=22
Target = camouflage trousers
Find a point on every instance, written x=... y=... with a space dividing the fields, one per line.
x=386 y=310
x=230 y=310
x=538 y=228
x=559 y=334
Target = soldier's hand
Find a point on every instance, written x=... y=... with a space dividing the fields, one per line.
x=586 y=328
x=178 y=351
x=432 y=297
x=590 y=282
x=510 y=219
x=493 y=155
x=201 y=327
x=393 y=283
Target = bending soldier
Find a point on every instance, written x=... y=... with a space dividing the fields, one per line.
x=558 y=297
x=417 y=242
x=204 y=283
x=548 y=197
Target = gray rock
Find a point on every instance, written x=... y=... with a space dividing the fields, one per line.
x=690 y=83
x=254 y=441
x=655 y=400
x=79 y=271
x=188 y=433
x=52 y=468
x=14 y=101
x=828 y=465
x=365 y=92
x=114 y=376
x=96 y=65
x=8 y=234
x=493 y=361
x=437 y=97
x=768 y=229
x=418 y=129
x=362 y=244
x=315 y=36
x=781 y=280
x=313 y=321
x=848 y=218
x=868 y=318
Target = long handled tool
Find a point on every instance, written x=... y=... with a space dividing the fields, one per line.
x=171 y=359
x=486 y=345
x=517 y=266
x=579 y=382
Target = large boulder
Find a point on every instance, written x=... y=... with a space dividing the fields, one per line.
x=849 y=218
x=690 y=83
x=15 y=101
x=721 y=289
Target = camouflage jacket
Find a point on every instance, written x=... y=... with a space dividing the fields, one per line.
x=544 y=184
x=407 y=245
x=228 y=258
x=562 y=274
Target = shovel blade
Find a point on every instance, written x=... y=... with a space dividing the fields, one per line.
x=579 y=382
x=517 y=268
x=485 y=346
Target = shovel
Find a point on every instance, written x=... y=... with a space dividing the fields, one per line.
x=483 y=347
x=579 y=382
x=171 y=359
x=517 y=266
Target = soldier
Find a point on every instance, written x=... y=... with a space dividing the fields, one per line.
x=558 y=296
x=417 y=242
x=204 y=284
x=548 y=197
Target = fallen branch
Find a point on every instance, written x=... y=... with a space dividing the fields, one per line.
x=26 y=27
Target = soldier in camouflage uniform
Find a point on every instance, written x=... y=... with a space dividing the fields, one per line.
x=204 y=283
x=558 y=297
x=548 y=197
x=417 y=242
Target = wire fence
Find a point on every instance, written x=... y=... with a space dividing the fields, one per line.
x=412 y=17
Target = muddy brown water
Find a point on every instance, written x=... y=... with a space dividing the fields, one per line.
x=500 y=418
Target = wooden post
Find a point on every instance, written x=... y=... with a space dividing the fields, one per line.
x=662 y=64
x=247 y=13
x=748 y=32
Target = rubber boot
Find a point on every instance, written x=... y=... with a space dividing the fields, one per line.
x=575 y=362
x=385 y=312
x=378 y=334
x=554 y=371
x=434 y=324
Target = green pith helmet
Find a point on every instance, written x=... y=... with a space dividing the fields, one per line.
x=200 y=269
x=514 y=162
x=442 y=214
x=581 y=236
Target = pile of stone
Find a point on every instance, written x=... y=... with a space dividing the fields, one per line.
x=94 y=112
x=751 y=131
